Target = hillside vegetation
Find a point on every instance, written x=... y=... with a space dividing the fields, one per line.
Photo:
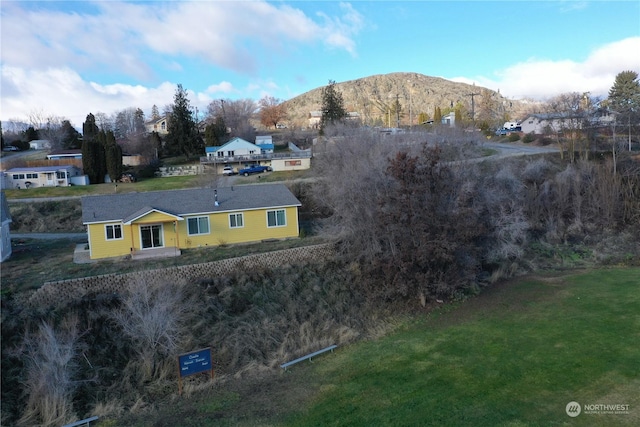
x=370 y=96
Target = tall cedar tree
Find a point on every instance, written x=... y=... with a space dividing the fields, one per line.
x=272 y=111
x=333 y=110
x=93 y=158
x=113 y=155
x=183 y=137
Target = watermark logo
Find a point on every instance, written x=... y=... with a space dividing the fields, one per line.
x=573 y=409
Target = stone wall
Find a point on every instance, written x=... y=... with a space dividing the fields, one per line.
x=165 y=171
x=65 y=291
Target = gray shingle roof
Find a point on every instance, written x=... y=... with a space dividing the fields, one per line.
x=122 y=207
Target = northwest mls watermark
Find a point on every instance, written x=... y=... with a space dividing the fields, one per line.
x=573 y=409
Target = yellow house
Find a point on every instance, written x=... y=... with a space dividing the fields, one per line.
x=161 y=223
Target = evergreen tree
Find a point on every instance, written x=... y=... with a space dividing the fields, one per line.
x=90 y=128
x=113 y=156
x=215 y=133
x=138 y=122
x=458 y=117
x=30 y=134
x=155 y=114
x=437 y=116
x=624 y=99
x=333 y=110
x=71 y=138
x=183 y=137
x=93 y=159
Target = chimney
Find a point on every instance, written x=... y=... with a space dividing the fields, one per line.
x=215 y=198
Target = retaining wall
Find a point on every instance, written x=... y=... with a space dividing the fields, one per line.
x=65 y=291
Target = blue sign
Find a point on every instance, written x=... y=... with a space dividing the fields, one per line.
x=195 y=362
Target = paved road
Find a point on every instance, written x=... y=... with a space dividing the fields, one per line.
x=508 y=150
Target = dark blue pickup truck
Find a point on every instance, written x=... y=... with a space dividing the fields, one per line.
x=251 y=169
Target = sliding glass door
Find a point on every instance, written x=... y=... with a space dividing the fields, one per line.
x=151 y=236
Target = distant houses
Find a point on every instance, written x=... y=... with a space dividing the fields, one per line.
x=44 y=176
x=239 y=152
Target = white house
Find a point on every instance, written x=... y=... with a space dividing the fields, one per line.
x=554 y=122
x=237 y=149
x=449 y=119
x=265 y=142
x=159 y=125
x=44 y=176
x=5 y=234
x=39 y=144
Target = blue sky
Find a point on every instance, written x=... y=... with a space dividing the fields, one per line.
x=66 y=59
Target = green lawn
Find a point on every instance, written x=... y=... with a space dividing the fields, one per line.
x=514 y=356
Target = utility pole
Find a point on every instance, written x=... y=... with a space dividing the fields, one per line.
x=410 y=116
x=397 y=110
x=473 y=105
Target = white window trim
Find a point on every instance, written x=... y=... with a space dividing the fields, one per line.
x=106 y=235
x=236 y=214
x=277 y=225
x=199 y=233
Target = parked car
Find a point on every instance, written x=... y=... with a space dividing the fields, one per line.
x=10 y=148
x=228 y=170
x=501 y=132
x=251 y=169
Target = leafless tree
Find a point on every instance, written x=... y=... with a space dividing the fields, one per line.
x=152 y=316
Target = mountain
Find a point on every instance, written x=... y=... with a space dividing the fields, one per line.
x=372 y=97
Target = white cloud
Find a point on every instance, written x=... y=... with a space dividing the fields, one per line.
x=542 y=79
x=47 y=54
x=222 y=87
x=63 y=92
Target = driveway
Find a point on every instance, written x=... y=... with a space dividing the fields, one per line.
x=507 y=149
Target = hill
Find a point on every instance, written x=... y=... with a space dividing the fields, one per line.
x=372 y=96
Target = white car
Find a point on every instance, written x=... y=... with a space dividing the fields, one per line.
x=228 y=170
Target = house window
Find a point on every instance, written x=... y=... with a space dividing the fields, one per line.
x=163 y=126
x=293 y=162
x=114 y=232
x=32 y=176
x=198 y=225
x=61 y=175
x=276 y=218
x=18 y=176
x=231 y=153
x=220 y=153
x=236 y=220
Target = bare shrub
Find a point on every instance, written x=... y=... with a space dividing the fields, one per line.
x=51 y=364
x=152 y=316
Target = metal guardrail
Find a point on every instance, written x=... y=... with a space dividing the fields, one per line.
x=84 y=422
x=308 y=356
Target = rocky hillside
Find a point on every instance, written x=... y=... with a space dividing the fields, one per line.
x=372 y=96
